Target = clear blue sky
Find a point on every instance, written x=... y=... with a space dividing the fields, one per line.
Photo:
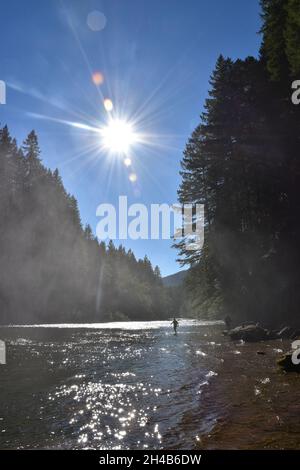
x=156 y=58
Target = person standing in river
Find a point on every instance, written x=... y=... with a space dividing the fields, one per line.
x=175 y=324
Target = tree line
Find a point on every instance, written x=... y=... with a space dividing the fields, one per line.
x=242 y=163
x=52 y=268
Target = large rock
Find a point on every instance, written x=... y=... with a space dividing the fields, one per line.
x=296 y=334
x=248 y=333
x=272 y=334
x=286 y=363
x=286 y=333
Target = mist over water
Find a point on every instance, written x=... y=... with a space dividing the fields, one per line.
x=136 y=385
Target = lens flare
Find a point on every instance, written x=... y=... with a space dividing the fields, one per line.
x=96 y=20
x=108 y=105
x=118 y=136
x=97 y=78
x=127 y=161
x=133 y=177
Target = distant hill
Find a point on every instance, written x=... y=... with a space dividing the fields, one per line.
x=174 y=279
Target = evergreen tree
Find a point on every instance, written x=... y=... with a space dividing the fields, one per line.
x=242 y=163
x=53 y=269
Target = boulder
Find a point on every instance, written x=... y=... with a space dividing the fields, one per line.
x=272 y=334
x=296 y=334
x=286 y=333
x=286 y=363
x=248 y=333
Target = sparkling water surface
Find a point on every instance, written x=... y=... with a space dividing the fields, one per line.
x=131 y=385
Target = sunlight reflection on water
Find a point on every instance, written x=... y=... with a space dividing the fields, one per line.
x=111 y=385
x=136 y=385
x=132 y=325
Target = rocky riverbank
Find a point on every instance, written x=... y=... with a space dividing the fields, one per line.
x=290 y=361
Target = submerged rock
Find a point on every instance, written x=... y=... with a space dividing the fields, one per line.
x=248 y=333
x=286 y=363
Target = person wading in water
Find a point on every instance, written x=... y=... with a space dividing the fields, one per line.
x=175 y=325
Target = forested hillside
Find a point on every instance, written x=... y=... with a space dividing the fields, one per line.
x=53 y=269
x=176 y=279
x=242 y=162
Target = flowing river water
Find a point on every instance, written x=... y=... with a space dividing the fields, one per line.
x=136 y=385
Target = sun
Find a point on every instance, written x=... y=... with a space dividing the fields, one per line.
x=118 y=136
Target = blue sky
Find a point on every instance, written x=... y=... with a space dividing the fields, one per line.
x=156 y=58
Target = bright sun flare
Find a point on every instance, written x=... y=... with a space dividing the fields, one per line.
x=118 y=136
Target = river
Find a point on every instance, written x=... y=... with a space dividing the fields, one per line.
x=135 y=385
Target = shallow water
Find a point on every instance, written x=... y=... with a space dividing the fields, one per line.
x=136 y=385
